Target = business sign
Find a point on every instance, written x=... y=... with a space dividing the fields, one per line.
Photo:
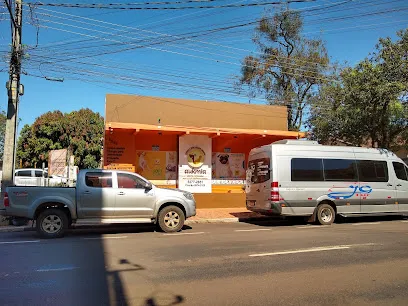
x=57 y=160
x=195 y=163
x=228 y=166
x=157 y=165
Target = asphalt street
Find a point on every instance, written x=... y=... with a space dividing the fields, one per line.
x=358 y=262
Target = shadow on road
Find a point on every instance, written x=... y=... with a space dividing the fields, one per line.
x=116 y=229
x=118 y=294
x=277 y=221
x=340 y=219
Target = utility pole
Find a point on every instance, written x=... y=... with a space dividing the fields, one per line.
x=14 y=89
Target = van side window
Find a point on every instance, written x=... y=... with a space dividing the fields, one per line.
x=372 y=171
x=26 y=173
x=400 y=171
x=340 y=170
x=259 y=169
x=38 y=173
x=98 y=179
x=307 y=169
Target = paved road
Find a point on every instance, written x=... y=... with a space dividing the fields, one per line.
x=358 y=263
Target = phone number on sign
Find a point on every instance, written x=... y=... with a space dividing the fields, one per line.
x=191 y=183
x=195 y=182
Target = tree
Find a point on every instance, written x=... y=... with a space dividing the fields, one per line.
x=79 y=131
x=368 y=104
x=289 y=68
x=84 y=130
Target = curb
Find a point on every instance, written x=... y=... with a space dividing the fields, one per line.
x=15 y=229
x=230 y=220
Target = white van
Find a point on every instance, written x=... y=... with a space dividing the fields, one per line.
x=304 y=178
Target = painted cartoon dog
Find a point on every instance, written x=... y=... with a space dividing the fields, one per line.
x=223 y=168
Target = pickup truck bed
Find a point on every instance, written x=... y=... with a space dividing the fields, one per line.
x=27 y=199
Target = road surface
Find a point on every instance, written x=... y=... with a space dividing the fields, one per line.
x=351 y=263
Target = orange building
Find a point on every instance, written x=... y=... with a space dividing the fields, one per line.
x=200 y=146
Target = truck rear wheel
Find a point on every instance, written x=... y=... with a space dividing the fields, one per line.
x=52 y=223
x=171 y=219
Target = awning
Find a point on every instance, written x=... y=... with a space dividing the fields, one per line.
x=202 y=130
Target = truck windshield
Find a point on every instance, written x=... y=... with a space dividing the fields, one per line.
x=259 y=170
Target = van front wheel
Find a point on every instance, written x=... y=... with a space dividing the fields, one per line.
x=325 y=214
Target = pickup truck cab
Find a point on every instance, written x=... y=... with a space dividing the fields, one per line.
x=100 y=196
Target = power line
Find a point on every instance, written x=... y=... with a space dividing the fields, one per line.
x=317 y=7
x=189 y=14
x=127 y=6
x=137 y=71
x=143 y=83
x=361 y=26
x=181 y=53
x=11 y=13
x=147 y=31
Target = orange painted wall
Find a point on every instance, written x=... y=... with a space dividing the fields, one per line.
x=240 y=144
x=119 y=147
x=146 y=139
x=129 y=142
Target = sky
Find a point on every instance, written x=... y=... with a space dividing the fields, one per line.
x=84 y=47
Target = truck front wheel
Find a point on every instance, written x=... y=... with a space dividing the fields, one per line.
x=52 y=223
x=171 y=219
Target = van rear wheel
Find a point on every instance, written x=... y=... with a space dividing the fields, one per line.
x=325 y=214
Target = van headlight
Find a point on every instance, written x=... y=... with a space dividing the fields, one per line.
x=188 y=196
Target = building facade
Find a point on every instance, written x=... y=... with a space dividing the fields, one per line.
x=199 y=146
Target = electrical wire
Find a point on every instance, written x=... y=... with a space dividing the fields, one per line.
x=152 y=32
x=128 y=7
x=144 y=46
x=192 y=55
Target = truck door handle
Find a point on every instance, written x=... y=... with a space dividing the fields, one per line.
x=399 y=185
x=389 y=185
x=121 y=193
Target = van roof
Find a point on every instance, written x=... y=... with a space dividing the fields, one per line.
x=306 y=145
x=297 y=142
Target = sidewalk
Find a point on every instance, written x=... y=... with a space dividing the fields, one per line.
x=11 y=228
x=208 y=215
x=222 y=215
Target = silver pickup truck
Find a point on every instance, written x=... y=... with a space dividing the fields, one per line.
x=100 y=196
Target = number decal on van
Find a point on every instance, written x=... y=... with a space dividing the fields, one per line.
x=346 y=195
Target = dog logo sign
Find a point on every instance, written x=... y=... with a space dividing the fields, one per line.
x=195 y=157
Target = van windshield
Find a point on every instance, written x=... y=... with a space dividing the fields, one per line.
x=259 y=171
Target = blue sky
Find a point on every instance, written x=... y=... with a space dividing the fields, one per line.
x=202 y=67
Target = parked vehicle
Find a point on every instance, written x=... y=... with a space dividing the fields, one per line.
x=304 y=178
x=36 y=177
x=100 y=196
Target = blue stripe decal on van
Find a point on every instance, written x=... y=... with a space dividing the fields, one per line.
x=348 y=194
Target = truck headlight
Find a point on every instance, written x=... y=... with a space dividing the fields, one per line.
x=188 y=195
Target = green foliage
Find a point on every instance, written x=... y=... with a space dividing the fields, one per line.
x=289 y=68
x=370 y=104
x=80 y=131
